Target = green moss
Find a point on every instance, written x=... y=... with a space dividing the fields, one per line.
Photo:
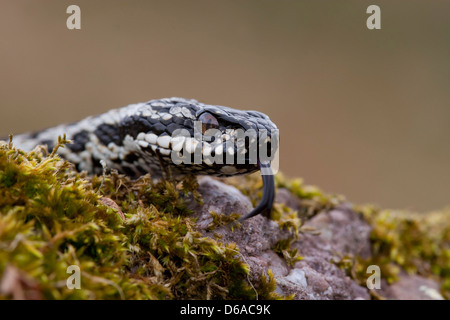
x=401 y=240
x=267 y=288
x=130 y=239
x=289 y=221
x=137 y=240
x=404 y=241
x=415 y=243
x=220 y=220
x=312 y=199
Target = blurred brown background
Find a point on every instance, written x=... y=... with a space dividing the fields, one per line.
x=362 y=113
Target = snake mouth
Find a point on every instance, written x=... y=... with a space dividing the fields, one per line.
x=266 y=204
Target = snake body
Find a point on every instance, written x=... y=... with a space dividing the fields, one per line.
x=141 y=138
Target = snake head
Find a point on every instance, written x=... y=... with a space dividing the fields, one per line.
x=249 y=140
x=221 y=141
x=202 y=139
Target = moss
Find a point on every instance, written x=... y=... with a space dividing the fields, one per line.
x=289 y=221
x=403 y=241
x=400 y=240
x=267 y=288
x=312 y=199
x=413 y=242
x=220 y=220
x=130 y=239
x=137 y=240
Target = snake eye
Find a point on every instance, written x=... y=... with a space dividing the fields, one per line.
x=208 y=121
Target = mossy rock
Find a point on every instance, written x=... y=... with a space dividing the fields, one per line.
x=139 y=239
x=130 y=239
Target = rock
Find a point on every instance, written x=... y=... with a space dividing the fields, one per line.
x=220 y=198
x=342 y=232
x=315 y=277
x=284 y=196
x=412 y=287
x=339 y=232
x=256 y=235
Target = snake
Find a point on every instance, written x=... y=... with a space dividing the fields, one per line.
x=143 y=138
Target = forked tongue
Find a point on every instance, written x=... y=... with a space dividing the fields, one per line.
x=265 y=206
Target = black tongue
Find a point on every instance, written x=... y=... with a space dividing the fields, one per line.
x=265 y=206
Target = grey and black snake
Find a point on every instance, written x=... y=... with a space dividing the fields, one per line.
x=142 y=138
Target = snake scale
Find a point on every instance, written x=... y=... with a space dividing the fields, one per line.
x=143 y=138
